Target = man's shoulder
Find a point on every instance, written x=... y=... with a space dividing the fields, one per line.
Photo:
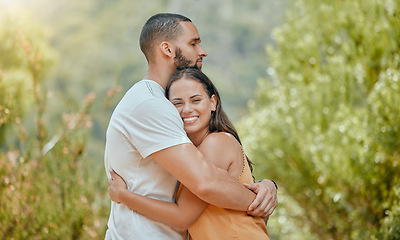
x=149 y=87
x=143 y=88
x=144 y=94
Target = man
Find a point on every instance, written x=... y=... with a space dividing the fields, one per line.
x=148 y=147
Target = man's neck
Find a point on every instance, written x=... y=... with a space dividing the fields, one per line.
x=159 y=75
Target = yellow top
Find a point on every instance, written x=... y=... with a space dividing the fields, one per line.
x=219 y=223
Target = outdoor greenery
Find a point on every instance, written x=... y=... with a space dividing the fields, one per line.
x=325 y=123
x=45 y=190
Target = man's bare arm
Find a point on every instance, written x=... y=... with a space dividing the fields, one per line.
x=209 y=183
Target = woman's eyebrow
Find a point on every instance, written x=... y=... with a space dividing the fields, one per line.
x=196 y=95
x=176 y=99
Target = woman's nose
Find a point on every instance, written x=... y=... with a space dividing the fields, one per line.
x=187 y=108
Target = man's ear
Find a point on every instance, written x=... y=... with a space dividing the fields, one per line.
x=166 y=49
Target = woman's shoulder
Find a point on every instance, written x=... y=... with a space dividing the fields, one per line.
x=220 y=143
x=220 y=139
x=222 y=149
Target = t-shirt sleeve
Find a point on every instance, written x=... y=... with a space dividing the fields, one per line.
x=155 y=125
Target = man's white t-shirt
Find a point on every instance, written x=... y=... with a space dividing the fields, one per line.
x=143 y=122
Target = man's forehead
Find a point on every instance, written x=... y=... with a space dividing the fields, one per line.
x=189 y=31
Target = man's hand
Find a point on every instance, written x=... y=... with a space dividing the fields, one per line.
x=266 y=200
x=116 y=186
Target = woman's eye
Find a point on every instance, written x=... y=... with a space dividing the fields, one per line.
x=177 y=104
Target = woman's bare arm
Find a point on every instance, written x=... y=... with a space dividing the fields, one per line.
x=178 y=215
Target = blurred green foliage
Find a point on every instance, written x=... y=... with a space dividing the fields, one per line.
x=325 y=123
x=46 y=187
x=24 y=59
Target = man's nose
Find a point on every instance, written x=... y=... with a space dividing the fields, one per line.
x=202 y=52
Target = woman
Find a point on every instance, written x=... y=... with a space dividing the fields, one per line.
x=209 y=129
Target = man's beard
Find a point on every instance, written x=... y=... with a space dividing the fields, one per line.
x=182 y=62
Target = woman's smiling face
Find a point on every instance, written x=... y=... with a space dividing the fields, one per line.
x=194 y=105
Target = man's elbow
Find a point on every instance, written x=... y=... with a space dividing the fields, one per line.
x=181 y=227
x=206 y=184
x=205 y=189
x=182 y=224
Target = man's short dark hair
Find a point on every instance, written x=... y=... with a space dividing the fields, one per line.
x=160 y=27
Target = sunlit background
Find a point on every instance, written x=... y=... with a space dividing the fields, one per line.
x=313 y=87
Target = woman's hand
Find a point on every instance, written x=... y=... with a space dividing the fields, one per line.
x=117 y=185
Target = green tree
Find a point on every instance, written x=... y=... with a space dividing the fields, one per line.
x=46 y=188
x=326 y=120
x=24 y=59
